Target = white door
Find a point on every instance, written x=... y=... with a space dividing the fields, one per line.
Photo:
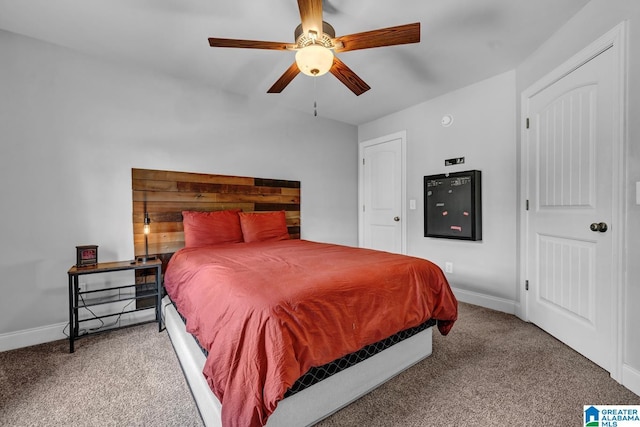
x=570 y=185
x=381 y=187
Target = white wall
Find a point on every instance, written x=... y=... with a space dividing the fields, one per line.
x=594 y=20
x=483 y=131
x=71 y=129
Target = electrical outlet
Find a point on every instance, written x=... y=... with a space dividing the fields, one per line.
x=82 y=287
x=448 y=267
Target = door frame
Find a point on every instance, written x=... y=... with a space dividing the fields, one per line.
x=402 y=135
x=615 y=39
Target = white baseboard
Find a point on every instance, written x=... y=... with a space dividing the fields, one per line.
x=488 y=301
x=631 y=379
x=34 y=336
x=44 y=334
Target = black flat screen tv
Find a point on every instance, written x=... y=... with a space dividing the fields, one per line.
x=453 y=205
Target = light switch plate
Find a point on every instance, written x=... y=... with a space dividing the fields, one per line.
x=412 y=204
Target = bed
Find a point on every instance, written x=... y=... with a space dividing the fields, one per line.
x=248 y=318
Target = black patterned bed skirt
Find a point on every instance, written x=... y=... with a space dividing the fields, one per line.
x=319 y=373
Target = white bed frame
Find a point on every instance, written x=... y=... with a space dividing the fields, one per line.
x=312 y=404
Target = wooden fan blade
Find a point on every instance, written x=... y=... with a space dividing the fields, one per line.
x=249 y=44
x=285 y=79
x=311 y=15
x=348 y=77
x=402 y=34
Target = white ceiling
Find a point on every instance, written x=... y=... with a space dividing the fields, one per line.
x=462 y=42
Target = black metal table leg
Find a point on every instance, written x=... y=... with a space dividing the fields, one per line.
x=72 y=330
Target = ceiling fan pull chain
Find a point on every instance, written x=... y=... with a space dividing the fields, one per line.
x=315 y=97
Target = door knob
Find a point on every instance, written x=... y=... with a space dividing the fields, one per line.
x=396 y=218
x=599 y=226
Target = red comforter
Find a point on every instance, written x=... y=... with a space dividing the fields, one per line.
x=267 y=312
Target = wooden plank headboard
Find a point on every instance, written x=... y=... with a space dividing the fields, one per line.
x=165 y=194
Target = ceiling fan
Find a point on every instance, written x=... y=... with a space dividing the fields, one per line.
x=315 y=42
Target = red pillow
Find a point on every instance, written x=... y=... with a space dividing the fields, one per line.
x=211 y=228
x=263 y=226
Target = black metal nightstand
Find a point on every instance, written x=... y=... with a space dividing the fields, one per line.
x=108 y=295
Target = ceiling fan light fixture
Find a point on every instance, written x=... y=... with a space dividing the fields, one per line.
x=314 y=60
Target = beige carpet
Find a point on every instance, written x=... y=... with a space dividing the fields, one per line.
x=121 y=378
x=493 y=369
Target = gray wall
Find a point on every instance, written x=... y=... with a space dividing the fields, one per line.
x=483 y=131
x=72 y=128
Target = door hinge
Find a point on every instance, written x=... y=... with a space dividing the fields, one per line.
x=527 y=205
x=363 y=161
x=526 y=285
x=527 y=125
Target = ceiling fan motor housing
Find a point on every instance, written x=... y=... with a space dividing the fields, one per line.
x=325 y=39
